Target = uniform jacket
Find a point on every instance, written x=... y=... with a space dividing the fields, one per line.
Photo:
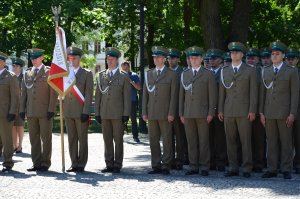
x=157 y=105
x=9 y=93
x=201 y=100
x=72 y=107
x=242 y=97
x=281 y=99
x=116 y=102
x=40 y=98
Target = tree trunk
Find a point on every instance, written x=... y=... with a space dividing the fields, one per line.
x=187 y=16
x=211 y=24
x=240 y=21
x=149 y=44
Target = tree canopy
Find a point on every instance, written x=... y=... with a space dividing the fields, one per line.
x=169 y=23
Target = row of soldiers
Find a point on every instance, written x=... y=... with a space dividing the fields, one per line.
x=205 y=109
x=229 y=107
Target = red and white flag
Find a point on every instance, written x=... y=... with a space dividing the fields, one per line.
x=62 y=77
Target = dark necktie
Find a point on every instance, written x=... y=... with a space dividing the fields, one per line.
x=111 y=75
x=235 y=70
x=36 y=70
x=195 y=73
x=276 y=71
x=158 y=73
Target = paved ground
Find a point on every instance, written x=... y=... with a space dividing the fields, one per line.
x=132 y=182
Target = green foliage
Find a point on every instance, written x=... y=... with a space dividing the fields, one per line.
x=27 y=24
x=88 y=61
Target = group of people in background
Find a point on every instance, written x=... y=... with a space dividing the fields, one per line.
x=237 y=110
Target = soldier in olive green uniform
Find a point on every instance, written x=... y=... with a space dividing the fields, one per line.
x=237 y=107
x=18 y=127
x=38 y=102
x=217 y=139
x=227 y=59
x=258 y=130
x=179 y=138
x=112 y=109
x=77 y=114
x=9 y=98
x=197 y=107
x=265 y=57
x=292 y=58
x=160 y=100
x=278 y=109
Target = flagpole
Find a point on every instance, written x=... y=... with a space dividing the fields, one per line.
x=62 y=133
x=56 y=11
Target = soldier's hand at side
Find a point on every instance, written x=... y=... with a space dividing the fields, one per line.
x=182 y=119
x=262 y=119
x=209 y=118
x=98 y=119
x=145 y=118
x=170 y=118
x=84 y=117
x=290 y=120
x=125 y=119
x=221 y=116
x=11 y=117
x=22 y=115
x=251 y=117
x=50 y=115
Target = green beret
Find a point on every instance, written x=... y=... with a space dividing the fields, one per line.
x=18 y=61
x=174 y=53
x=195 y=51
x=265 y=52
x=113 y=52
x=252 y=52
x=74 y=51
x=3 y=56
x=227 y=57
x=236 y=46
x=214 y=53
x=292 y=52
x=277 y=45
x=35 y=53
x=159 y=51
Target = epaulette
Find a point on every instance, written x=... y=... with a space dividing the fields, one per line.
x=207 y=69
x=87 y=70
x=186 y=69
x=28 y=69
x=11 y=73
x=250 y=66
x=102 y=71
x=47 y=67
x=150 y=69
x=226 y=66
x=290 y=66
x=122 y=72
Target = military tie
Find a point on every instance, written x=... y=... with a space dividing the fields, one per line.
x=276 y=71
x=195 y=73
x=36 y=70
x=235 y=70
x=158 y=73
x=111 y=74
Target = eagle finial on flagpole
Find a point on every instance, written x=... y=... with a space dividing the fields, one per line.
x=56 y=10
